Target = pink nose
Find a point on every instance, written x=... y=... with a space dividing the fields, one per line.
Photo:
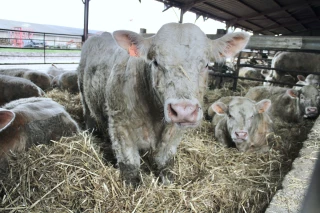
x=183 y=112
x=311 y=109
x=241 y=134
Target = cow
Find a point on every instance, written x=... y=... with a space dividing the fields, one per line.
x=41 y=79
x=55 y=71
x=293 y=61
x=32 y=121
x=13 y=88
x=146 y=92
x=249 y=72
x=309 y=80
x=286 y=80
x=67 y=81
x=242 y=123
x=288 y=105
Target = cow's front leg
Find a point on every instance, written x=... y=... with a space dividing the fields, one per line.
x=128 y=157
x=164 y=155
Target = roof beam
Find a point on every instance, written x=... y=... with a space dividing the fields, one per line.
x=249 y=6
x=227 y=12
x=287 y=24
x=304 y=27
x=189 y=5
x=273 y=10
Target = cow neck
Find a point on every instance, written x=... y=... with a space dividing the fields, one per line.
x=153 y=93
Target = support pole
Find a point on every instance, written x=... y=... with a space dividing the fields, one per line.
x=86 y=20
x=181 y=16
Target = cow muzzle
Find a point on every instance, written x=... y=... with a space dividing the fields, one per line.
x=185 y=113
x=240 y=136
x=311 y=112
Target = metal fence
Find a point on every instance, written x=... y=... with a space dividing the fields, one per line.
x=20 y=47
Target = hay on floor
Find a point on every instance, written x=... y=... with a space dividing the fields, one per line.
x=71 y=176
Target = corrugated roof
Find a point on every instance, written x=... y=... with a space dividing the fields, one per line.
x=268 y=17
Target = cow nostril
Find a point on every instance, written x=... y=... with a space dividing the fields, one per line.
x=172 y=111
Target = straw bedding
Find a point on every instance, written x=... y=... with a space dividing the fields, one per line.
x=71 y=175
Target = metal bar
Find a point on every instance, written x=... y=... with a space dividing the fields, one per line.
x=181 y=16
x=71 y=35
x=235 y=81
x=37 y=63
x=44 y=48
x=251 y=79
x=86 y=20
x=284 y=43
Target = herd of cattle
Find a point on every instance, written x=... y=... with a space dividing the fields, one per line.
x=141 y=94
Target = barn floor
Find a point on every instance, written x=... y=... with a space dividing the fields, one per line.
x=295 y=184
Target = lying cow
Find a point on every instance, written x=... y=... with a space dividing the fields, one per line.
x=309 y=80
x=13 y=88
x=55 y=71
x=67 y=81
x=147 y=91
x=269 y=75
x=287 y=104
x=242 y=122
x=249 y=72
x=293 y=61
x=41 y=79
x=31 y=121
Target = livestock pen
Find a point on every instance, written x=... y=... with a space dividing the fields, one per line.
x=72 y=175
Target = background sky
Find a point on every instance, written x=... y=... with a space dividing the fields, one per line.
x=104 y=15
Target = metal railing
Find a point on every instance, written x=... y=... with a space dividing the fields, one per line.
x=21 y=47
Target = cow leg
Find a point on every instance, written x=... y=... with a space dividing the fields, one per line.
x=163 y=158
x=127 y=154
x=90 y=123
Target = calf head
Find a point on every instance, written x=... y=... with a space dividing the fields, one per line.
x=177 y=59
x=313 y=80
x=243 y=116
x=309 y=101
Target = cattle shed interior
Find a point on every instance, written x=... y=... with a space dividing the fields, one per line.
x=272 y=17
x=72 y=174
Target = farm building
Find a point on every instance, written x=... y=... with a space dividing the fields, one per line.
x=32 y=34
x=74 y=173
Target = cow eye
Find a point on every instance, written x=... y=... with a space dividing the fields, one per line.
x=301 y=97
x=230 y=116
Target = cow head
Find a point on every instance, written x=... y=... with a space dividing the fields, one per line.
x=309 y=101
x=177 y=59
x=243 y=117
x=6 y=118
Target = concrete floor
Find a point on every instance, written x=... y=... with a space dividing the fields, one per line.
x=296 y=182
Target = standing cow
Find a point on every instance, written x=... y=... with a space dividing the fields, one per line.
x=242 y=122
x=145 y=92
x=288 y=104
x=13 y=88
x=293 y=61
x=31 y=121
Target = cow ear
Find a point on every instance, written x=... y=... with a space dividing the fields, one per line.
x=220 y=108
x=292 y=93
x=6 y=118
x=263 y=105
x=301 y=78
x=228 y=45
x=132 y=42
